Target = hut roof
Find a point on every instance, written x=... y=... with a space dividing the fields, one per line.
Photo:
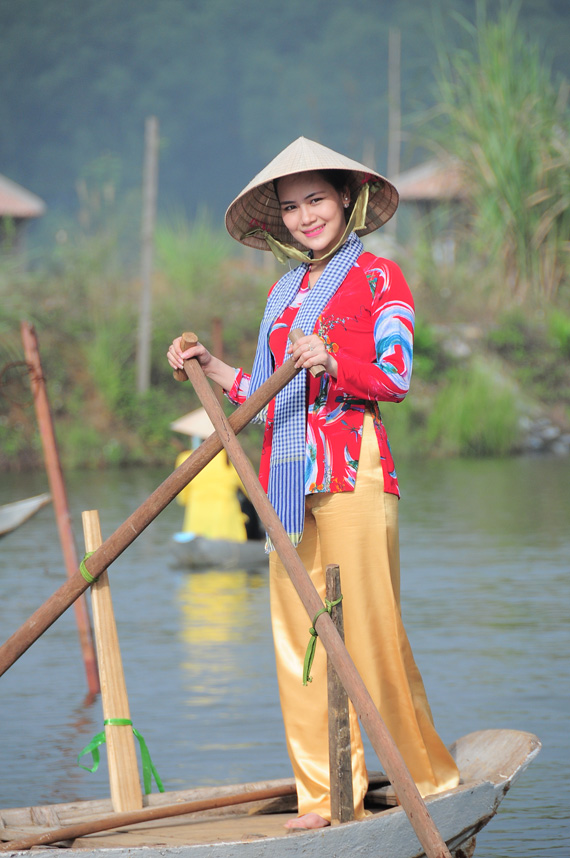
x=432 y=181
x=16 y=201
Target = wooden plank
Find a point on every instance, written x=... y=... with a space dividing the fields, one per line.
x=121 y=753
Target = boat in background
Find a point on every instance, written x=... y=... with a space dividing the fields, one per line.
x=197 y=552
x=489 y=762
x=12 y=515
x=221 y=528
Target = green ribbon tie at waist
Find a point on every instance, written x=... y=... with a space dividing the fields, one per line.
x=149 y=769
x=310 y=654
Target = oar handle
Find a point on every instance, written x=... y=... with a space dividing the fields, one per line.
x=316 y=371
x=188 y=339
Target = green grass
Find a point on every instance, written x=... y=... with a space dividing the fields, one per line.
x=476 y=413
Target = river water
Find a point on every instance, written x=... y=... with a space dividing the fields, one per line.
x=485 y=597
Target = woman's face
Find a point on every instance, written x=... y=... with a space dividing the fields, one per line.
x=313 y=211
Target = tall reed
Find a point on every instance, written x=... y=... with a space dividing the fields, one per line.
x=509 y=126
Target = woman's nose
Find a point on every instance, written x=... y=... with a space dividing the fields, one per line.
x=307 y=214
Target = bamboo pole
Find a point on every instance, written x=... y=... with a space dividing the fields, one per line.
x=340 y=761
x=59 y=495
x=134 y=525
x=121 y=754
x=380 y=738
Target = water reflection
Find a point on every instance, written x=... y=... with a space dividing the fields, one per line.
x=216 y=607
x=216 y=624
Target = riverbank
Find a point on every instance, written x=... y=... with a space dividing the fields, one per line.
x=472 y=395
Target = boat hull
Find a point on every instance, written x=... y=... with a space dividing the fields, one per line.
x=12 y=515
x=490 y=761
x=202 y=553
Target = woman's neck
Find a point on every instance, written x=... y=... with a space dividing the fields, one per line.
x=315 y=271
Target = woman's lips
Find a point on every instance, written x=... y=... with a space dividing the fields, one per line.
x=312 y=232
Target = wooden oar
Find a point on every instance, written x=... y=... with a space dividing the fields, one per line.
x=114 y=546
x=382 y=742
x=121 y=820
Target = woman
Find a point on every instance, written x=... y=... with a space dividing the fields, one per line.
x=326 y=463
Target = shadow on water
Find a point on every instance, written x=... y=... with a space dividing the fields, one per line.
x=485 y=593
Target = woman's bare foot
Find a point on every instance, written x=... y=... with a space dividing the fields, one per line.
x=308 y=820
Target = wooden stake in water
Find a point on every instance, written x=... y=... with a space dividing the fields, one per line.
x=59 y=495
x=121 y=754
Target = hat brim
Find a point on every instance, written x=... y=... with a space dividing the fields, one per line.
x=257 y=207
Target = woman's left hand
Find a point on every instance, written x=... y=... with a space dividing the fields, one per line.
x=311 y=351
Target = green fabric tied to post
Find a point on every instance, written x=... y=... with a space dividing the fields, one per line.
x=149 y=769
x=310 y=654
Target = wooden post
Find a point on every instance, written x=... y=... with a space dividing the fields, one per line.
x=121 y=753
x=59 y=496
x=340 y=762
x=394 y=112
x=150 y=184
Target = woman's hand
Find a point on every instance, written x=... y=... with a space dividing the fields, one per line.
x=310 y=351
x=216 y=370
x=176 y=356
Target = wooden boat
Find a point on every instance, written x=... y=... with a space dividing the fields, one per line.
x=489 y=761
x=200 y=552
x=12 y=515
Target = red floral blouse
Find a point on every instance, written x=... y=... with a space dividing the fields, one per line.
x=368 y=325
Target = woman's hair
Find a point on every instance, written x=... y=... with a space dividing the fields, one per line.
x=339 y=179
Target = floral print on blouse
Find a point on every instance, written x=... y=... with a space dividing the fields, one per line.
x=368 y=326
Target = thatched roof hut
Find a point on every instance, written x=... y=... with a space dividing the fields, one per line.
x=432 y=182
x=434 y=195
x=17 y=207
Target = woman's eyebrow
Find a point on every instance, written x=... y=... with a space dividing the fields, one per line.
x=306 y=197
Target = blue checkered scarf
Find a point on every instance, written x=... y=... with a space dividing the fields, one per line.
x=286 y=489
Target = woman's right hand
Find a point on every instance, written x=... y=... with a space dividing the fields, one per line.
x=176 y=356
x=216 y=370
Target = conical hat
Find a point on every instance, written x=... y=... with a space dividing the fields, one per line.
x=257 y=205
x=196 y=424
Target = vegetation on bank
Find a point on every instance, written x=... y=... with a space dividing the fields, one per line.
x=472 y=380
x=493 y=329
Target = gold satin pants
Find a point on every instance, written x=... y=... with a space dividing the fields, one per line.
x=358 y=531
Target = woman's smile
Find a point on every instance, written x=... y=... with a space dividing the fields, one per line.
x=315 y=231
